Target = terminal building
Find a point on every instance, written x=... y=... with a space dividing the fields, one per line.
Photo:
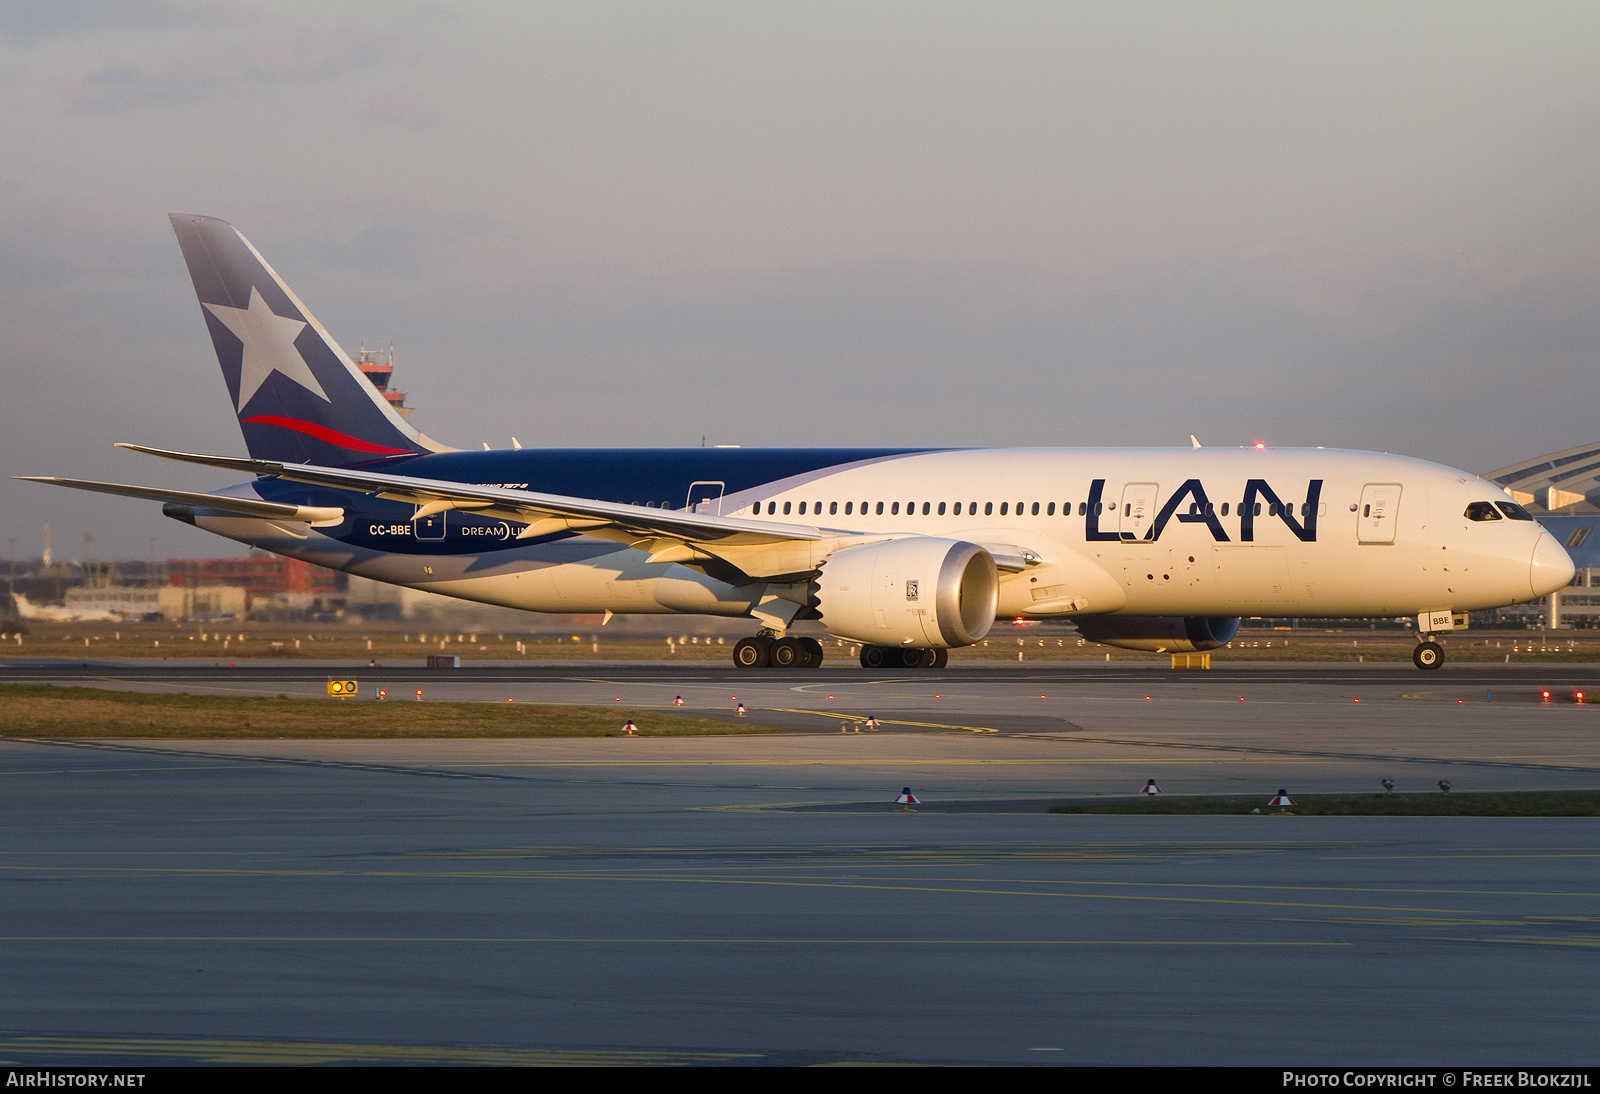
x=261 y=585
x=1562 y=491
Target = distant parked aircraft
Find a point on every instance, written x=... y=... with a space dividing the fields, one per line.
x=50 y=613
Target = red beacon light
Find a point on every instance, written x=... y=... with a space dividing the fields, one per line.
x=1577 y=697
x=1544 y=696
x=1261 y=444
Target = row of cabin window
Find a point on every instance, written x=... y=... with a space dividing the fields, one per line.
x=1273 y=508
x=928 y=508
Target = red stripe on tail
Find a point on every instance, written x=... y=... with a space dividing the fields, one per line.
x=332 y=436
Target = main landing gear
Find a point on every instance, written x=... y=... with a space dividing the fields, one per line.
x=1428 y=654
x=765 y=651
x=899 y=657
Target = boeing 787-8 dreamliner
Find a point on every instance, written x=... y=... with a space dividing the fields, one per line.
x=909 y=551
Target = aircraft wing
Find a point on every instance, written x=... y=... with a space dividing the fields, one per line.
x=669 y=535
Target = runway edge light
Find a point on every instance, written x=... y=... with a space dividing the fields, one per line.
x=1150 y=788
x=906 y=800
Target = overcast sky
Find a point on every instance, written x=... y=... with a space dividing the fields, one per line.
x=595 y=224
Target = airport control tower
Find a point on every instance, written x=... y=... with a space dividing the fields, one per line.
x=379 y=368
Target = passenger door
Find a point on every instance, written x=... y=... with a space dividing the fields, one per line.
x=706 y=497
x=1138 y=509
x=1379 y=512
x=430 y=527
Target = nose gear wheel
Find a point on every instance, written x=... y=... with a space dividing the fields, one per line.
x=1428 y=655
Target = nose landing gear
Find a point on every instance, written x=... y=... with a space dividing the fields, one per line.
x=1429 y=654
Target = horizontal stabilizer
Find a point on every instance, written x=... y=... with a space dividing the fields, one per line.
x=227 y=463
x=245 y=507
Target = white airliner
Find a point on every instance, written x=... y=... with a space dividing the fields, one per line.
x=50 y=613
x=910 y=552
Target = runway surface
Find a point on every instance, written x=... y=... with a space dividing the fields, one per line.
x=760 y=900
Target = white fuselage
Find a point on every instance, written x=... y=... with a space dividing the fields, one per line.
x=1327 y=533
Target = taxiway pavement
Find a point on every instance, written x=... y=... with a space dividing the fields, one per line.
x=687 y=901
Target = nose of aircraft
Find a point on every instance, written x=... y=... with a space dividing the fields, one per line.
x=1552 y=567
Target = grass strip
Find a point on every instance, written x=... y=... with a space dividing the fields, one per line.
x=1585 y=803
x=28 y=710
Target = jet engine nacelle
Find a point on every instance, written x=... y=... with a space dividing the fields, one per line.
x=1158 y=633
x=917 y=592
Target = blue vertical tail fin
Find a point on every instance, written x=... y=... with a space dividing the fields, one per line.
x=298 y=396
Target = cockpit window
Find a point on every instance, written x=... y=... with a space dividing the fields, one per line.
x=1481 y=510
x=1513 y=510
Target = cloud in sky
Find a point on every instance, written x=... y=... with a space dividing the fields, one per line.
x=208 y=67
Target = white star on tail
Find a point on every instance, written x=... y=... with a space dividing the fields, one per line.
x=268 y=347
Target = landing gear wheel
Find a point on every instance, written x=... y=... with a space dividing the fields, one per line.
x=787 y=653
x=814 y=648
x=753 y=653
x=902 y=657
x=1428 y=655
